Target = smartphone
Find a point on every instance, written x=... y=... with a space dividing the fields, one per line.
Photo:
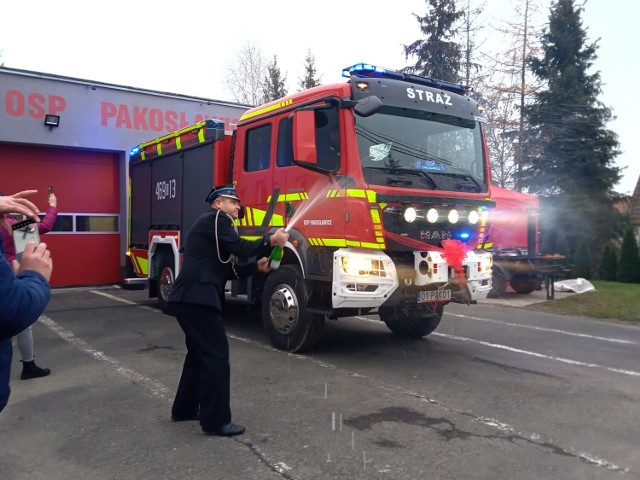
x=50 y=189
x=23 y=233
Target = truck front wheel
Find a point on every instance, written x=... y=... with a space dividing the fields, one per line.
x=409 y=320
x=284 y=311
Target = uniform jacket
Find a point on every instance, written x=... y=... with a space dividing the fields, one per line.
x=22 y=299
x=205 y=269
x=44 y=226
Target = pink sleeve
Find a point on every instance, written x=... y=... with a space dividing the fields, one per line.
x=46 y=224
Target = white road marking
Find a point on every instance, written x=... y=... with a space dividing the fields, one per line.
x=156 y=388
x=525 y=352
x=544 y=329
x=540 y=355
x=123 y=300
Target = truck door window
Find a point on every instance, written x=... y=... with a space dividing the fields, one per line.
x=258 y=148
x=284 y=154
x=328 y=138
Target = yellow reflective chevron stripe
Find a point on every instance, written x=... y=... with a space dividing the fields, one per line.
x=200 y=127
x=255 y=216
x=140 y=264
x=144 y=265
x=290 y=197
x=481 y=233
x=267 y=109
x=341 y=242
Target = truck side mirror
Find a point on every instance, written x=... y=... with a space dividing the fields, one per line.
x=367 y=106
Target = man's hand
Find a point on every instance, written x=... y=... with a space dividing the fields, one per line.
x=280 y=237
x=263 y=265
x=17 y=203
x=53 y=200
x=36 y=258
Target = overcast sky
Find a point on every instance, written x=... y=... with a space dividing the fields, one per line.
x=186 y=47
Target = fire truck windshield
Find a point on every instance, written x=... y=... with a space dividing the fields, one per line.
x=425 y=149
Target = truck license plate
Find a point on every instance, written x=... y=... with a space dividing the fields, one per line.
x=433 y=296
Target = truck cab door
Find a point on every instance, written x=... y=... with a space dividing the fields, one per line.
x=253 y=172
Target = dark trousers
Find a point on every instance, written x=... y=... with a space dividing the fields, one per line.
x=206 y=375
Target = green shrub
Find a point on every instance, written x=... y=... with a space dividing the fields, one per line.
x=582 y=261
x=629 y=262
x=608 y=270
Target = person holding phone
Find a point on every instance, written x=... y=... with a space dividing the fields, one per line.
x=25 y=338
x=24 y=287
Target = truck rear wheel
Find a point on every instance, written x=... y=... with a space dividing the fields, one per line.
x=166 y=279
x=284 y=311
x=521 y=285
x=410 y=320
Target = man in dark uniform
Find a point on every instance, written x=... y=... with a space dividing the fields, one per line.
x=210 y=259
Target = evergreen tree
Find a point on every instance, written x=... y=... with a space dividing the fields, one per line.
x=629 y=262
x=569 y=154
x=608 y=270
x=273 y=86
x=471 y=25
x=582 y=260
x=438 y=55
x=309 y=80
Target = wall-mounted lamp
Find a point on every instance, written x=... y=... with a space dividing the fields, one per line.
x=52 y=121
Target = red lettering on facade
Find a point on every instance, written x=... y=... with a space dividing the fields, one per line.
x=142 y=118
x=172 y=120
x=123 y=119
x=139 y=120
x=183 y=120
x=156 y=120
x=107 y=110
x=14 y=103
x=36 y=102
x=56 y=104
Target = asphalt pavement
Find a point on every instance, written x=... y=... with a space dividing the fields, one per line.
x=495 y=393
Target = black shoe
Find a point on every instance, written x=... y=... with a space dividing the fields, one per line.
x=185 y=418
x=228 y=430
x=31 y=370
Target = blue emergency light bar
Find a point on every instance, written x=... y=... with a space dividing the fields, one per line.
x=366 y=70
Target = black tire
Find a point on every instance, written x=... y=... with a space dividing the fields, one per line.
x=410 y=320
x=166 y=279
x=284 y=311
x=522 y=285
x=498 y=285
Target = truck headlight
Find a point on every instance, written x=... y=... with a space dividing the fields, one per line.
x=410 y=214
x=360 y=266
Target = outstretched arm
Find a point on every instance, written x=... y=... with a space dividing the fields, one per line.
x=25 y=296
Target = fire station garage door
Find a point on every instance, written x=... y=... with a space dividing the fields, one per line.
x=85 y=240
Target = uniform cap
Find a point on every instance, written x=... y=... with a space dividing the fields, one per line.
x=228 y=191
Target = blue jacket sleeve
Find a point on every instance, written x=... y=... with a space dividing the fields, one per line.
x=22 y=299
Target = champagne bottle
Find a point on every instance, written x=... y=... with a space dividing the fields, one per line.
x=275 y=257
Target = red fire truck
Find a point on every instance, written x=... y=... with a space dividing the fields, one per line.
x=381 y=180
x=513 y=239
